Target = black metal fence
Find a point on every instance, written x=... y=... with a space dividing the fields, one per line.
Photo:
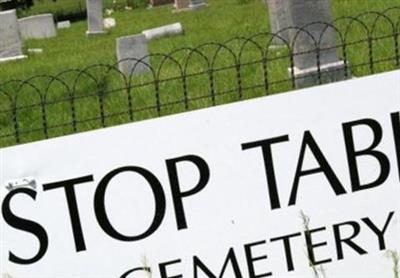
x=101 y=95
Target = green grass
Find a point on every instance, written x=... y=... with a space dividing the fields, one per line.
x=222 y=20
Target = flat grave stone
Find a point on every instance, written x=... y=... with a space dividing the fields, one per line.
x=197 y=4
x=188 y=5
x=64 y=24
x=166 y=30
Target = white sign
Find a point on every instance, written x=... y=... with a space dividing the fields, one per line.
x=261 y=188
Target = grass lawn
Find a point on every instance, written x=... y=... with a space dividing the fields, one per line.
x=222 y=20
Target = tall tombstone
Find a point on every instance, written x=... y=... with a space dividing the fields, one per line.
x=279 y=20
x=132 y=54
x=306 y=14
x=94 y=17
x=10 y=39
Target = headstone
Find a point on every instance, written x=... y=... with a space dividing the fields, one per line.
x=167 y=30
x=109 y=23
x=303 y=13
x=94 y=17
x=182 y=4
x=10 y=40
x=279 y=20
x=37 y=27
x=197 y=4
x=130 y=50
x=64 y=24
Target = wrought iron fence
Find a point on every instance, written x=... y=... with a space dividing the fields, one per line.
x=101 y=95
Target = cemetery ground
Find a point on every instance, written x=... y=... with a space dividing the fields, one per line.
x=221 y=21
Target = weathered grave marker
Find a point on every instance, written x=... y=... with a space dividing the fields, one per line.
x=314 y=46
x=181 y=4
x=279 y=20
x=166 y=30
x=132 y=54
x=10 y=40
x=64 y=24
x=37 y=27
x=185 y=5
x=94 y=17
x=197 y=4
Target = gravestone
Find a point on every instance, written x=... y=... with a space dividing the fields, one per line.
x=94 y=17
x=37 y=27
x=197 y=4
x=279 y=20
x=166 y=30
x=130 y=50
x=302 y=14
x=182 y=4
x=10 y=40
x=64 y=24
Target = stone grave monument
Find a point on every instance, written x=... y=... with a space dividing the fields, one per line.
x=182 y=4
x=279 y=20
x=10 y=40
x=64 y=24
x=185 y=5
x=197 y=4
x=166 y=30
x=302 y=14
x=133 y=48
x=94 y=17
x=37 y=27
